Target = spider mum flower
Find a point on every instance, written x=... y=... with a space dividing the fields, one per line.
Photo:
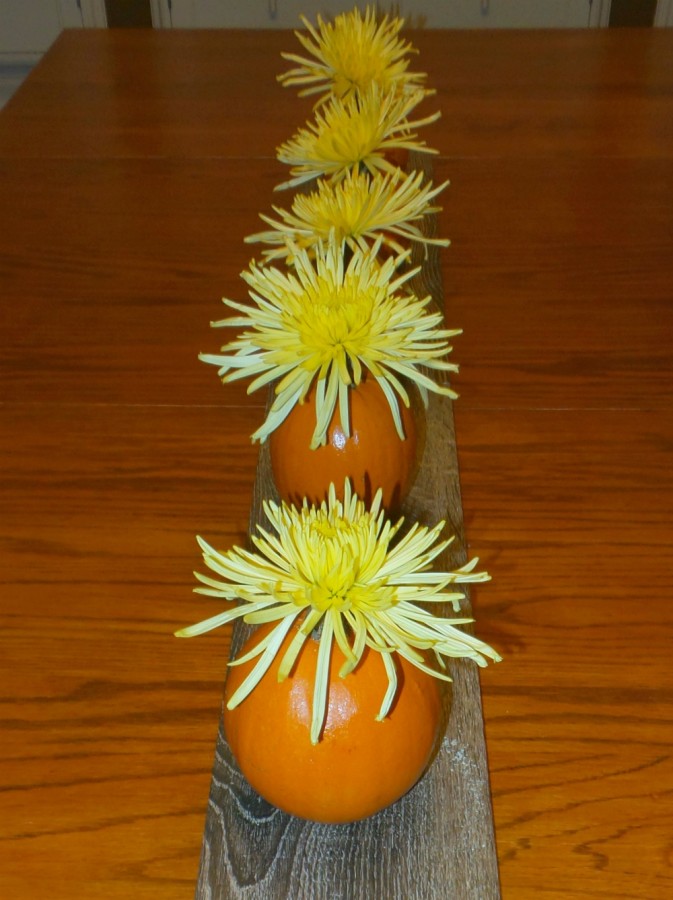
x=353 y=133
x=337 y=566
x=349 y=54
x=329 y=323
x=359 y=209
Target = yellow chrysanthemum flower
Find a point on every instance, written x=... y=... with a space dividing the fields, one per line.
x=359 y=210
x=338 y=566
x=327 y=323
x=354 y=133
x=349 y=54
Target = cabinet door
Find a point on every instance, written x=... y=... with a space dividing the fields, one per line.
x=423 y=13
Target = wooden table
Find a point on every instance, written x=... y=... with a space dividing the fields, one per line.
x=132 y=164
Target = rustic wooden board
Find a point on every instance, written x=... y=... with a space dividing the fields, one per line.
x=437 y=841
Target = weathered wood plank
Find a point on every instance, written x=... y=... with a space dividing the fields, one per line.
x=438 y=840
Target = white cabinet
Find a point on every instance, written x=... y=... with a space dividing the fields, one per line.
x=29 y=27
x=663 y=16
x=424 y=13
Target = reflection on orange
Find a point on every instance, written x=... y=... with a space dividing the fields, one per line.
x=372 y=456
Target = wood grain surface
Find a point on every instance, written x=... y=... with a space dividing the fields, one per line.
x=120 y=160
x=184 y=94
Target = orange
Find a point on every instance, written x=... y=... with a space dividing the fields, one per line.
x=373 y=456
x=359 y=766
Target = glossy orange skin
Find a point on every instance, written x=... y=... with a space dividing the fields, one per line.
x=359 y=766
x=373 y=456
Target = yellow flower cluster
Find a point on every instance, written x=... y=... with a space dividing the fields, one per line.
x=359 y=209
x=358 y=132
x=335 y=309
x=338 y=566
x=329 y=321
x=349 y=54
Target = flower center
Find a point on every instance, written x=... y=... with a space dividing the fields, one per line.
x=339 y=319
x=335 y=573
